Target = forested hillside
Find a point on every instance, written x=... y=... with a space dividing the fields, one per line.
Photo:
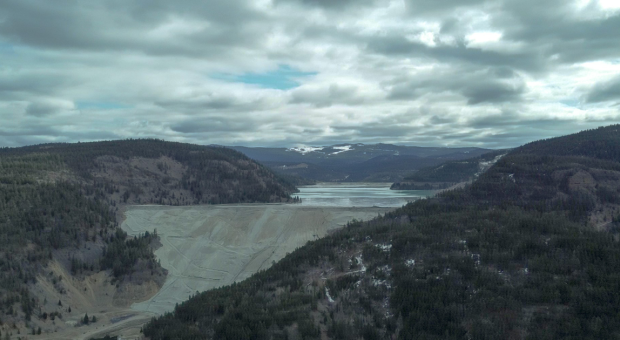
x=154 y=171
x=61 y=203
x=449 y=173
x=528 y=251
x=600 y=143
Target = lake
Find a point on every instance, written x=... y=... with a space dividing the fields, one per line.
x=358 y=195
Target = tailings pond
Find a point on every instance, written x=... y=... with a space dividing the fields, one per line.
x=358 y=195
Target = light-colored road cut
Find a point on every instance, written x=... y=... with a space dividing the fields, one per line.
x=206 y=247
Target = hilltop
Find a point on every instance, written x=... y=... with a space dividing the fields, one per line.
x=529 y=250
x=148 y=171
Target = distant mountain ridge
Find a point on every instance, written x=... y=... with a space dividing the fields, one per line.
x=355 y=162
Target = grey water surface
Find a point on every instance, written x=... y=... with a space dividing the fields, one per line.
x=358 y=195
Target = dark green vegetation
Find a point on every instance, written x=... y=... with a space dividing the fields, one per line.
x=154 y=171
x=35 y=221
x=515 y=255
x=360 y=163
x=295 y=180
x=57 y=199
x=448 y=173
x=107 y=337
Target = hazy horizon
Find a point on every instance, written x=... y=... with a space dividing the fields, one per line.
x=298 y=145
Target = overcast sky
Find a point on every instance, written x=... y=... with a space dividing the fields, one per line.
x=315 y=72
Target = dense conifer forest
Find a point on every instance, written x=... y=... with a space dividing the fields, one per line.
x=527 y=251
x=449 y=173
x=57 y=197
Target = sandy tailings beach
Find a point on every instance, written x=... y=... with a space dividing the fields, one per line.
x=206 y=247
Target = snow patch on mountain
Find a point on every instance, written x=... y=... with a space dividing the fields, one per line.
x=305 y=149
x=341 y=148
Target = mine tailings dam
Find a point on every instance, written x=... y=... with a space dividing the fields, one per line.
x=209 y=246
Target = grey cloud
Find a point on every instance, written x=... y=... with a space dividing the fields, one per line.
x=506 y=129
x=125 y=25
x=450 y=26
x=553 y=29
x=45 y=107
x=437 y=120
x=510 y=128
x=29 y=131
x=41 y=133
x=510 y=119
x=396 y=45
x=410 y=91
x=86 y=135
x=505 y=118
x=549 y=32
x=605 y=91
x=206 y=125
x=37 y=109
x=377 y=130
x=27 y=83
x=327 y=96
x=213 y=102
x=329 y=4
x=520 y=134
x=521 y=131
x=425 y=7
x=493 y=92
x=494 y=85
x=312 y=131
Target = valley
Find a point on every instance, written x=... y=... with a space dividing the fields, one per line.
x=203 y=247
x=201 y=254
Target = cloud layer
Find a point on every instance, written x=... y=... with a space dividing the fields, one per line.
x=287 y=72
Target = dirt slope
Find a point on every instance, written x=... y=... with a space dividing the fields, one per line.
x=205 y=247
